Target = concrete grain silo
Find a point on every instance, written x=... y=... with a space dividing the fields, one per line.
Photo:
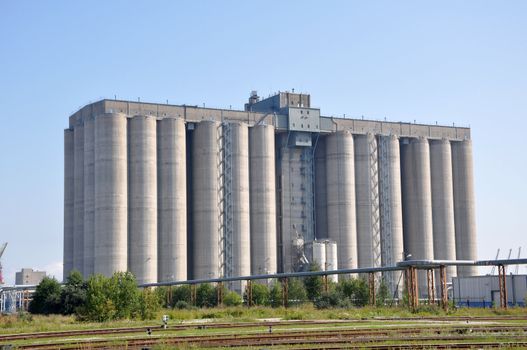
x=443 y=203
x=78 y=203
x=236 y=218
x=464 y=205
x=391 y=211
x=68 y=201
x=321 y=199
x=367 y=201
x=417 y=203
x=263 y=200
x=142 y=198
x=111 y=194
x=172 y=200
x=207 y=197
x=172 y=192
x=89 y=195
x=340 y=175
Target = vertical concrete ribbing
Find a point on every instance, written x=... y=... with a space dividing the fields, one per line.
x=68 y=202
x=89 y=194
x=78 y=203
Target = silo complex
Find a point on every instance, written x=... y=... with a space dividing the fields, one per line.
x=177 y=192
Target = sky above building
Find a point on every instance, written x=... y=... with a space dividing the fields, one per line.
x=450 y=62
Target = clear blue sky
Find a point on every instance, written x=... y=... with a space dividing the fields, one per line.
x=462 y=62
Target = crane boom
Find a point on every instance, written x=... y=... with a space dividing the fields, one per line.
x=2 y=249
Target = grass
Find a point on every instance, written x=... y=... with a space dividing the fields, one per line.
x=26 y=323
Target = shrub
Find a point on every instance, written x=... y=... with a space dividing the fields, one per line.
x=206 y=296
x=260 y=294
x=111 y=298
x=232 y=299
x=313 y=284
x=275 y=295
x=355 y=289
x=181 y=304
x=181 y=293
x=73 y=294
x=149 y=304
x=296 y=292
x=383 y=293
x=46 y=299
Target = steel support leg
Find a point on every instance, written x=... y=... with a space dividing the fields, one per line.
x=326 y=286
x=371 y=285
x=430 y=285
x=503 y=286
x=193 y=294
x=219 y=292
x=444 y=293
x=285 y=292
x=249 y=293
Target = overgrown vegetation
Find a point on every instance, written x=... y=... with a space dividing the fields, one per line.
x=101 y=299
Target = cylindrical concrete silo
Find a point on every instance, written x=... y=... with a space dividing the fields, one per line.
x=236 y=201
x=443 y=203
x=367 y=201
x=207 y=197
x=172 y=200
x=417 y=203
x=68 y=202
x=142 y=198
x=340 y=177
x=391 y=209
x=321 y=212
x=263 y=200
x=78 y=203
x=464 y=208
x=89 y=194
x=111 y=197
x=331 y=259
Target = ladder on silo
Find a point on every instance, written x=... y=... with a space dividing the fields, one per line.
x=228 y=207
x=374 y=196
x=220 y=199
x=385 y=209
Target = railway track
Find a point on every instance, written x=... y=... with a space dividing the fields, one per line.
x=157 y=328
x=347 y=338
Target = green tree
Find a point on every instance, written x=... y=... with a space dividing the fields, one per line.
x=149 y=304
x=73 y=294
x=99 y=305
x=260 y=294
x=123 y=292
x=296 y=292
x=206 y=295
x=313 y=284
x=275 y=295
x=355 y=289
x=46 y=299
x=383 y=293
